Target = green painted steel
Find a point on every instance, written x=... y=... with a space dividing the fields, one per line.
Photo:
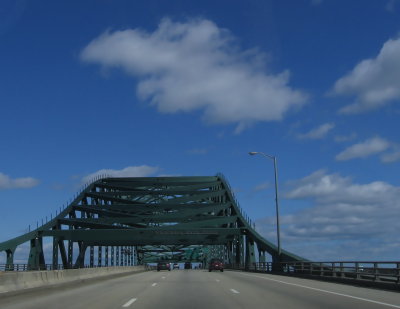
x=148 y=219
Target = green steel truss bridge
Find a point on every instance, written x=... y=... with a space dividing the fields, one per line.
x=133 y=221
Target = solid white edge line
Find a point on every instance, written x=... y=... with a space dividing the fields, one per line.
x=234 y=291
x=129 y=303
x=329 y=292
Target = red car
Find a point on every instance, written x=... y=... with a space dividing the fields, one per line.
x=216 y=264
x=163 y=266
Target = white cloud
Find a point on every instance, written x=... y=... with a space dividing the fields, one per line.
x=344 y=208
x=361 y=150
x=390 y=5
x=374 y=82
x=130 y=171
x=262 y=187
x=182 y=67
x=319 y=132
x=18 y=183
x=344 y=219
x=391 y=157
x=345 y=138
x=333 y=188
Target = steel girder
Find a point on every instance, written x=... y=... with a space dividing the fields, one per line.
x=197 y=217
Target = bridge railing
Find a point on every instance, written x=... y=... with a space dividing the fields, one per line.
x=388 y=272
x=26 y=267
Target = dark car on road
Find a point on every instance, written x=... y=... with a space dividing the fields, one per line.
x=176 y=266
x=216 y=264
x=188 y=265
x=163 y=266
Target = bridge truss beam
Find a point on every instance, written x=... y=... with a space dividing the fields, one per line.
x=147 y=219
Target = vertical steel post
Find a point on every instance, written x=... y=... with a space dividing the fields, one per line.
x=91 y=257
x=106 y=256
x=277 y=210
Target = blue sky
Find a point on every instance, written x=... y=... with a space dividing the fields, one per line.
x=148 y=88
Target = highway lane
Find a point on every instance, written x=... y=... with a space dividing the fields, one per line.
x=201 y=289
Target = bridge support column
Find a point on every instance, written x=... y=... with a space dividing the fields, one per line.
x=70 y=254
x=117 y=256
x=229 y=248
x=100 y=256
x=239 y=248
x=55 y=252
x=106 y=256
x=261 y=256
x=135 y=257
x=276 y=263
x=10 y=258
x=36 y=256
x=112 y=255
x=91 y=257
x=250 y=258
x=63 y=253
x=80 y=261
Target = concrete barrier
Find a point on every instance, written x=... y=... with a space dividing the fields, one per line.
x=16 y=281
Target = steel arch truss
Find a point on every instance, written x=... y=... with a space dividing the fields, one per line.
x=147 y=219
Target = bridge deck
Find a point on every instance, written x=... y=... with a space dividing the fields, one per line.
x=202 y=289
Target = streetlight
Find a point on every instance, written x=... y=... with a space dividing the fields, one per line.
x=252 y=153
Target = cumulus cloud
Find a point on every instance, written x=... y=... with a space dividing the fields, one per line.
x=341 y=215
x=391 y=157
x=343 y=208
x=318 y=133
x=365 y=149
x=130 y=171
x=325 y=188
x=345 y=138
x=374 y=82
x=6 y=182
x=182 y=67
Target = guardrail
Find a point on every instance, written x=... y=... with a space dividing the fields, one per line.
x=385 y=272
x=25 y=267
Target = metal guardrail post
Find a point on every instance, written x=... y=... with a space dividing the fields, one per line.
x=341 y=270
x=398 y=273
x=376 y=272
x=333 y=269
x=357 y=271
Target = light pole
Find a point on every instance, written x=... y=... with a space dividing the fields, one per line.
x=252 y=153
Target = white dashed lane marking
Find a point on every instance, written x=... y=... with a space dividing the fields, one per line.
x=127 y=304
x=234 y=291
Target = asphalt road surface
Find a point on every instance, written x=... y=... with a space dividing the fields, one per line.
x=203 y=289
